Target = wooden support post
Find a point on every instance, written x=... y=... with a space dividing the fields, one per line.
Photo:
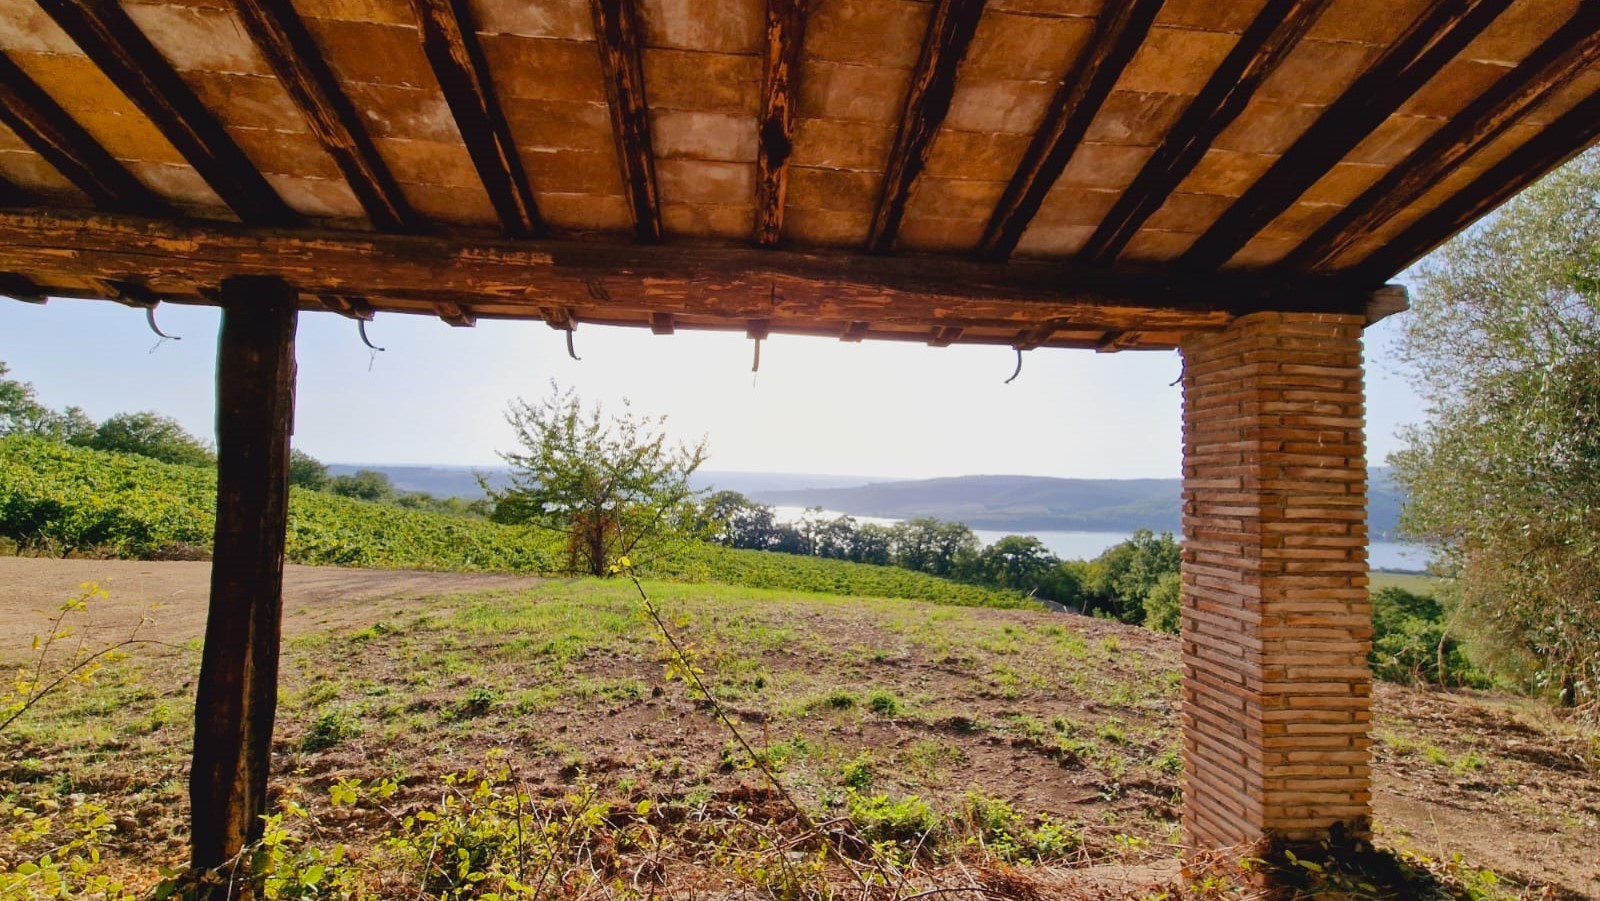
x=1276 y=619
x=237 y=694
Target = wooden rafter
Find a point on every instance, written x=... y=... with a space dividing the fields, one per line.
x=346 y=306
x=1119 y=30
x=1437 y=34
x=1555 y=144
x=933 y=85
x=616 y=29
x=1572 y=50
x=551 y=278
x=661 y=323
x=1037 y=336
x=288 y=47
x=12 y=194
x=457 y=314
x=450 y=42
x=115 y=44
x=17 y=287
x=1263 y=47
x=786 y=30
x=855 y=331
x=44 y=126
x=1116 y=340
x=945 y=335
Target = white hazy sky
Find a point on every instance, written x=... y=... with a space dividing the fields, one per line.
x=438 y=394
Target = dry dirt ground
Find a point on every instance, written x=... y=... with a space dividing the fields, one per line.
x=1498 y=781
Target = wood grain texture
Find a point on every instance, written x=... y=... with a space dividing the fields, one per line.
x=1434 y=38
x=236 y=696
x=1572 y=50
x=1272 y=35
x=53 y=134
x=933 y=85
x=616 y=28
x=786 y=30
x=294 y=56
x=111 y=40
x=450 y=42
x=455 y=313
x=1119 y=31
x=1557 y=143
x=819 y=292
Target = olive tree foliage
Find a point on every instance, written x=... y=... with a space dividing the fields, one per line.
x=150 y=434
x=609 y=483
x=1504 y=477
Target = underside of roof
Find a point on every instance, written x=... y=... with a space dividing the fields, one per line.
x=1021 y=172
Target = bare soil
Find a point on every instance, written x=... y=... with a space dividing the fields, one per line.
x=1498 y=781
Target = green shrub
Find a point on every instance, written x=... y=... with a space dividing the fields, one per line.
x=1409 y=642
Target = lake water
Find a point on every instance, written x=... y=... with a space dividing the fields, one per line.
x=1087 y=545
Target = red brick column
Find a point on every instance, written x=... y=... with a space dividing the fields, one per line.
x=1276 y=616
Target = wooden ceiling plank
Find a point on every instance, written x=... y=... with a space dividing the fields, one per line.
x=1554 y=145
x=1573 y=49
x=786 y=30
x=554 y=277
x=1433 y=38
x=282 y=38
x=1119 y=31
x=111 y=40
x=617 y=34
x=44 y=126
x=933 y=85
x=450 y=43
x=1274 y=33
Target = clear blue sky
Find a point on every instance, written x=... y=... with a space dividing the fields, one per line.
x=438 y=394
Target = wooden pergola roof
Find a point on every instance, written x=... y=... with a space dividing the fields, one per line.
x=1020 y=172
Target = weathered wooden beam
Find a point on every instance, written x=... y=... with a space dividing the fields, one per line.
x=1037 y=336
x=558 y=318
x=786 y=31
x=1116 y=340
x=855 y=331
x=616 y=29
x=450 y=42
x=111 y=40
x=661 y=323
x=12 y=194
x=1264 y=46
x=933 y=85
x=45 y=127
x=1554 y=145
x=1434 y=38
x=236 y=696
x=945 y=335
x=177 y=259
x=1120 y=29
x=129 y=293
x=1572 y=50
x=282 y=38
x=456 y=314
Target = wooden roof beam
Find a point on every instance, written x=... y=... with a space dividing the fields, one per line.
x=661 y=324
x=1274 y=33
x=46 y=128
x=282 y=38
x=129 y=293
x=933 y=85
x=450 y=42
x=558 y=318
x=20 y=288
x=179 y=259
x=1116 y=340
x=1036 y=336
x=1572 y=50
x=855 y=331
x=1554 y=145
x=1120 y=29
x=786 y=30
x=945 y=335
x=12 y=194
x=616 y=29
x=120 y=50
x=1434 y=38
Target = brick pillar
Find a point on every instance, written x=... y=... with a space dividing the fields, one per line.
x=1276 y=616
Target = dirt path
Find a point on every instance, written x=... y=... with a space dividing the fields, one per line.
x=175 y=595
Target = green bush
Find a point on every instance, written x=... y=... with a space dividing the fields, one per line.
x=1409 y=642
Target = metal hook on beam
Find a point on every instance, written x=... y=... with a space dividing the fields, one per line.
x=1019 y=368
x=571 y=351
x=361 y=326
x=756 y=365
x=150 y=317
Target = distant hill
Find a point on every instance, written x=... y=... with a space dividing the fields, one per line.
x=462 y=481
x=1037 y=503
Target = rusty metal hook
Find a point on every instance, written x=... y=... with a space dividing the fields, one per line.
x=1019 y=368
x=361 y=326
x=150 y=317
x=571 y=352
